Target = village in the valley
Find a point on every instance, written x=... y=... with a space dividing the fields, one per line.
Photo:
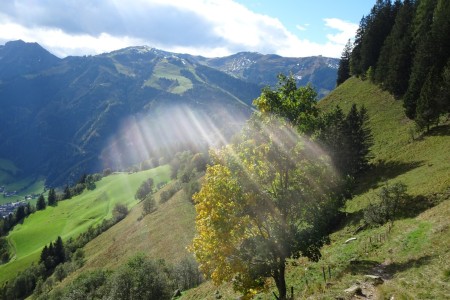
x=9 y=207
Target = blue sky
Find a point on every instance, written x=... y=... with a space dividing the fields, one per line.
x=306 y=17
x=202 y=27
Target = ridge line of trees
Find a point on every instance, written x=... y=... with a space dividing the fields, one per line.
x=404 y=47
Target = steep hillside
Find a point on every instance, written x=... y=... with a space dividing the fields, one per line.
x=163 y=234
x=411 y=256
x=72 y=217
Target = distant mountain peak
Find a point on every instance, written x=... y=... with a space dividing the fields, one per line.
x=21 y=58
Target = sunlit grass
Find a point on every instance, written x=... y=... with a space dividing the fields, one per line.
x=72 y=217
x=162 y=234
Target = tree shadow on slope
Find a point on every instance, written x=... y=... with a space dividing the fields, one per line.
x=441 y=130
x=398 y=267
x=411 y=207
x=361 y=267
x=415 y=205
x=382 y=172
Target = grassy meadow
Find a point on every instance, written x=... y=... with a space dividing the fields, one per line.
x=162 y=234
x=73 y=216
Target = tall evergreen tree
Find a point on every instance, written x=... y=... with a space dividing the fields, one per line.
x=423 y=54
x=347 y=138
x=401 y=54
x=440 y=31
x=355 y=59
x=332 y=138
x=380 y=22
x=444 y=91
x=40 y=204
x=44 y=254
x=427 y=112
x=383 y=61
x=67 y=193
x=20 y=213
x=344 y=64
x=52 y=197
x=59 y=251
x=359 y=140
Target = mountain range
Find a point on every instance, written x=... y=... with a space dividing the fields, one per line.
x=64 y=117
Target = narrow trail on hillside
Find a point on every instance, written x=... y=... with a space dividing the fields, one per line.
x=369 y=287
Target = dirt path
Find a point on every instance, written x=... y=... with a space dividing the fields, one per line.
x=369 y=285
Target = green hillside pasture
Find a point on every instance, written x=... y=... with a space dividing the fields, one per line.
x=421 y=161
x=165 y=70
x=162 y=234
x=71 y=217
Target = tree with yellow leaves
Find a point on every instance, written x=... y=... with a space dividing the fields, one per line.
x=267 y=197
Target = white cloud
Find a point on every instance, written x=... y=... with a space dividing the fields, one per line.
x=346 y=30
x=300 y=27
x=203 y=27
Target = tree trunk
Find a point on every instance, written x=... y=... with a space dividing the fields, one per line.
x=280 y=281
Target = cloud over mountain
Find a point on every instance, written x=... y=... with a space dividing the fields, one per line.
x=205 y=27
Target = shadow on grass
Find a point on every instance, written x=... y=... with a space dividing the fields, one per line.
x=415 y=205
x=383 y=171
x=442 y=130
x=410 y=207
x=361 y=267
x=395 y=267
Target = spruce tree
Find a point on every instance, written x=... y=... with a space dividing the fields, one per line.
x=40 y=204
x=67 y=194
x=332 y=138
x=44 y=254
x=380 y=22
x=423 y=55
x=401 y=54
x=443 y=98
x=59 y=252
x=427 y=112
x=344 y=64
x=20 y=213
x=355 y=60
x=52 y=197
x=358 y=140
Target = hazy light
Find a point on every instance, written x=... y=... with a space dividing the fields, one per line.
x=152 y=136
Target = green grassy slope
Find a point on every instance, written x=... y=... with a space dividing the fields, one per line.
x=414 y=256
x=71 y=217
x=162 y=234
